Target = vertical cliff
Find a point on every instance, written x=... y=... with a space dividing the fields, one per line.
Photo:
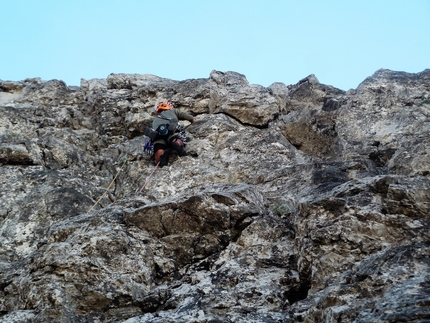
x=298 y=203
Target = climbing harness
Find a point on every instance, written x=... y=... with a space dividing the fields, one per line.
x=147 y=180
x=148 y=147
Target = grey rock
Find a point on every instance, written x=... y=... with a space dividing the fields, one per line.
x=296 y=203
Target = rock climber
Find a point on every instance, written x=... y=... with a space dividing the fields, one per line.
x=165 y=124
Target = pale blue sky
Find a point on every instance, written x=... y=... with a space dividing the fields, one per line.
x=342 y=42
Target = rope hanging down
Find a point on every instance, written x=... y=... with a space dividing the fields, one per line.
x=111 y=183
x=147 y=180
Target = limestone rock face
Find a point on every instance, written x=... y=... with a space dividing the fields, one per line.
x=296 y=203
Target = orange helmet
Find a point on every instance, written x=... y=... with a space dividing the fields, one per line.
x=163 y=106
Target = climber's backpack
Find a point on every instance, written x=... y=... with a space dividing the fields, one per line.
x=163 y=130
x=150 y=133
x=148 y=148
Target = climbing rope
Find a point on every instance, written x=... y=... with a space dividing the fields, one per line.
x=147 y=180
x=111 y=183
x=149 y=150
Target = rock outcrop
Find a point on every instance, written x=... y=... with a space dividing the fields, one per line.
x=298 y=203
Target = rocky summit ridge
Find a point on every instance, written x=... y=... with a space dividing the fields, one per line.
x=298 y=203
